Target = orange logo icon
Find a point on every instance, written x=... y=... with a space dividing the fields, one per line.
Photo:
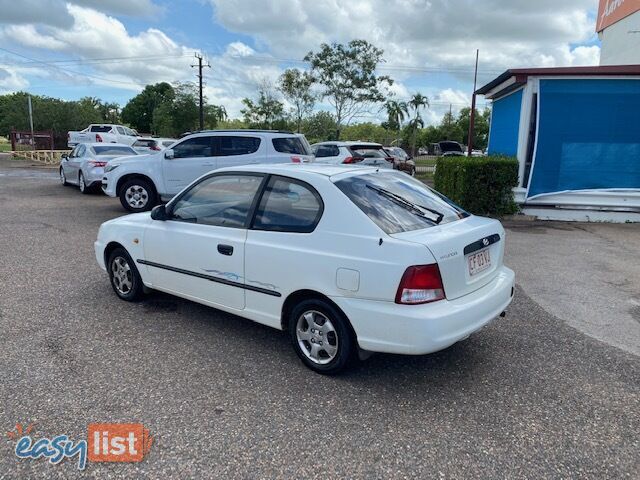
x=118 y=442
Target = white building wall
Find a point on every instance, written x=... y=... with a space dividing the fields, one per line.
x=621 y=42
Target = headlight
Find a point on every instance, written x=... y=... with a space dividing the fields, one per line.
x=108 y=168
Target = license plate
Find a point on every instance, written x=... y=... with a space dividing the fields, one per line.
x=478 y=261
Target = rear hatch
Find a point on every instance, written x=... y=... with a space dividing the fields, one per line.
x=469 y=252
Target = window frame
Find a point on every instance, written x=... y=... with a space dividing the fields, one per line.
x=252 y=209
x=302 y=183
x=212 y=145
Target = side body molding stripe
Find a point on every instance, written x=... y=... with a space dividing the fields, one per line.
x=210 y=278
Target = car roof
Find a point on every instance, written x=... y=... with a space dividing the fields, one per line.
x=241 y=131
x=291 y=169
x=105 y=144
x=349 y=143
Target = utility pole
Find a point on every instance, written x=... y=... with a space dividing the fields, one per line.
x=33 y=140
x=200 y=65
x=472 y=113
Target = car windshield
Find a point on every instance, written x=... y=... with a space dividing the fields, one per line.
x=398 y=203
x=114 y=151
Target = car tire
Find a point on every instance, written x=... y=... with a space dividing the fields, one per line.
x=63 y=178
x=124 y=276
x=322 y=336
x=84 y=188
x=138 y=195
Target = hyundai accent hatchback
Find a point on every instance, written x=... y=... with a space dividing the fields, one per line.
x=346 y=259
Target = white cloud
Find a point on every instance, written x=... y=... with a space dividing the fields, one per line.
x=122 y=7
x=420 y=32
x=11 y=81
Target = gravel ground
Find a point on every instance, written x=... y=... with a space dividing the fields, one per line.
x=527 y=397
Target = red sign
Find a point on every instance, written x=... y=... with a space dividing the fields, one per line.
x=612 y=11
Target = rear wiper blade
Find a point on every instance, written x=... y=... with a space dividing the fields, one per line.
x=414 y=207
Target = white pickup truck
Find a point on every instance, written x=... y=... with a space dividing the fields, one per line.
x=102 y=132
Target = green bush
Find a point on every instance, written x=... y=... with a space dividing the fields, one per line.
x=480 y=185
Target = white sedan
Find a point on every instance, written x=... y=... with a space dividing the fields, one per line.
x=346 y=259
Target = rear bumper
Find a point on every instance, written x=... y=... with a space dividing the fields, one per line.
x=420 y=329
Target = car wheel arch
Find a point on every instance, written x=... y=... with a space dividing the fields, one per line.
x=111 y=246
x=300 y=295
x=125 y=178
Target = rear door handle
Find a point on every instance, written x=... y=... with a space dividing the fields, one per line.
x=225 y=249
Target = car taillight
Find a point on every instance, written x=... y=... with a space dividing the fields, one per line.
x=420 y=284
x=98 y=137
x=296 y=160
x=96 y=163
x=155 y=147
x=352 y=160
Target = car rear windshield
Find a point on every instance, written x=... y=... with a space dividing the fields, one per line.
x=450 y=147
x=144 y=143
x=398 y=203
x=292 y=145
x=114 y=151
x=369 y=153
x=101 y=128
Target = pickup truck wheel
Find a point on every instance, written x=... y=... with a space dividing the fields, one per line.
x=138 y=195
x=321 y=336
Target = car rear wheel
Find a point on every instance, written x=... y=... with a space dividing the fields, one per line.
x=124 y=276
x=138 y=195
x=82 y=184
x=321 y=336
x=63 y=177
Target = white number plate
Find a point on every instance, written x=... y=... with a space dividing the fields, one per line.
x=479 y=261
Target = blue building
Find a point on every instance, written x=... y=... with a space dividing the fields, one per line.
x=576 y=134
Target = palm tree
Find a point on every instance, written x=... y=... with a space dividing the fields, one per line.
x=417 y=102
x=397 y=112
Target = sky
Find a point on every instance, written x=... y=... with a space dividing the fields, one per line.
x=110 y=49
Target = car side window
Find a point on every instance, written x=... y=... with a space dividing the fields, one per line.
x=194 y=147
x=120 y=130
x=80 y=151
x=221 y=200
x=232 y=145
x=326 y=151
x=288 y=206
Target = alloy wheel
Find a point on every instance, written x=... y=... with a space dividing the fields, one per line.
x=121 y=275
x=317 y=337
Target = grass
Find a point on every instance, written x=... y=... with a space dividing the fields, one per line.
x=5 y=147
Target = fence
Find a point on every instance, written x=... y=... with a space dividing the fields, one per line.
x=48 y=157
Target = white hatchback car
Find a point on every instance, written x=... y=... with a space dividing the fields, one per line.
x=360 y=153
x=344 y=258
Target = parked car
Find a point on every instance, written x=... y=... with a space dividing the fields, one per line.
x=361 y=153
x=142 y=182
x=402 y=160
x=342 y=257
x=144 y=145
x=446 y=149
x=106 y=133
x=423 y=151
x=84 y=166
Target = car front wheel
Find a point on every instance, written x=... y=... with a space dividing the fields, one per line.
x=124 y=276
x=321 y=336
x=138 y=195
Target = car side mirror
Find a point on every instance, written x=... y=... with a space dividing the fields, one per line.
x=65 y=156
x=160 y=213
x=168 y=153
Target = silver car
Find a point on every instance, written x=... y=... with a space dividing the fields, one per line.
x=84 y=166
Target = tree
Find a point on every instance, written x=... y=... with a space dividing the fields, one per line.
x=347 y=77
x=180 y=114
x=481 y=129
x=213 y=115
x=265 y=111
x=319 y=127
x=397 y=112
x=296 y=89
x=417 y=102
x=139 y=111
